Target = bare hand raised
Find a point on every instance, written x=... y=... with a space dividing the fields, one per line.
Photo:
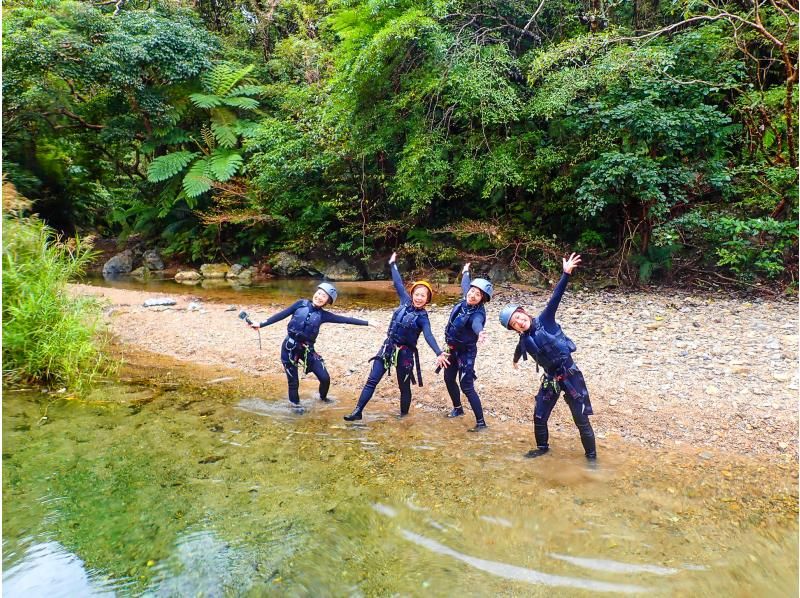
x=571 y=263
x=465 y=268
x=393 y=259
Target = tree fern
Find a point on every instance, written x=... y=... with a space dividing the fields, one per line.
x=165 y=167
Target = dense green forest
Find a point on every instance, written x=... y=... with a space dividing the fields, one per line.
x=659 y=137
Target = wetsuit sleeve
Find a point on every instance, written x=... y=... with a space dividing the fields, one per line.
x=282 y=314
x=548 y=315
x=478 y=322
x=517 y=352
x=398 y=285
x=330 y=318
x=425 y=324
x=465 y=280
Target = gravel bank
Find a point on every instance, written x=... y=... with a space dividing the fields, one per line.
x=663 y=370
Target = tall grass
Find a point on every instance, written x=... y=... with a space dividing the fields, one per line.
x=48 y=336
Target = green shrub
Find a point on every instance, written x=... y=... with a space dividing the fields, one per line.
x=48 y=336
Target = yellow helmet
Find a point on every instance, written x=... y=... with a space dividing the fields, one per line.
x=423 y=283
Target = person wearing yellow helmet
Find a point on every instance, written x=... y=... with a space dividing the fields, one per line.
x=400 y=347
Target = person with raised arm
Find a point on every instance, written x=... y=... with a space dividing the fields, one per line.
x=399 y=350
x=463 y=332
x=541 y=337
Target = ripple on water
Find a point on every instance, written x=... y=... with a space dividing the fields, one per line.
x=523 y=574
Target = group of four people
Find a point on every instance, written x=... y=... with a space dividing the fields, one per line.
x=540 y=337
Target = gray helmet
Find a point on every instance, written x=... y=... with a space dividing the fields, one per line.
x=485 y=286
x=506 y=313
x=330 y=290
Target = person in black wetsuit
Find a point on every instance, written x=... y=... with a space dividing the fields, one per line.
x=463 y=332
x=400 y=347
x=298 y=346
x=542 y=338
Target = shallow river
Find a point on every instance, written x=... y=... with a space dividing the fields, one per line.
x=184 y=481
x=378 y=293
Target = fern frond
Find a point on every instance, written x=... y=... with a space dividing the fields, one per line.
x=196 y=182
x=248 y=90
x=204 y=100
x=223 y=164
x=165 y=167
x=208 y=137
x=225 y=135
x=239 y=102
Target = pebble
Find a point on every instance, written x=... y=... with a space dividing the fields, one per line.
x=711 y=390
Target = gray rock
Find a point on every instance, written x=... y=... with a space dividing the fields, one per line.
x=188 y=275
x=214 y=270
x=235 y=270
x=342 y=270
x=288 y=264
x=377 y=268
x=122 y=263
x=159 y=301
x=152 y=260
x=501 y=273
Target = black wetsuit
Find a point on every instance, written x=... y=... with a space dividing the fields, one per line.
x=298 y=346
x=461 y=333
x=551 y=349
x=400 y=348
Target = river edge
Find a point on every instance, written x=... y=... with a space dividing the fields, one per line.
x=729 y=395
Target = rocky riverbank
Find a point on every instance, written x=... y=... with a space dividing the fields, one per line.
x=663 y=370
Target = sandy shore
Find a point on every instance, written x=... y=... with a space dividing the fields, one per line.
x=663 y=370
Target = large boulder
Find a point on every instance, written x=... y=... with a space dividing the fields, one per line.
x=151 y=260
x=288 y=264
x=214 y=270
x=235 y=270
x=122 y=263
x=342 y=270
x=501 y=273
x=188 y=276
x=377 y=268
